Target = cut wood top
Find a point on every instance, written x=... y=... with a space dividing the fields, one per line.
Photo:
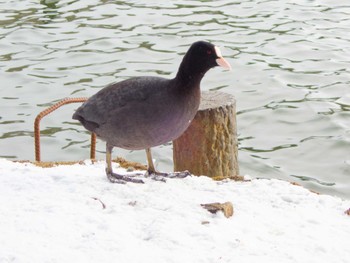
x=215 y=99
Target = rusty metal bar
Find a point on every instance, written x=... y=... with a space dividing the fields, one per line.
x=48 y=111
x=93 y=146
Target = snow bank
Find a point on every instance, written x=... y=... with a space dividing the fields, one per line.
x=56 y=215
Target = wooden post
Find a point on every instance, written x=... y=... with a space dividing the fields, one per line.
x=209 y=146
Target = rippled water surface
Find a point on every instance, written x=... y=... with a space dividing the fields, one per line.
x=290 y=76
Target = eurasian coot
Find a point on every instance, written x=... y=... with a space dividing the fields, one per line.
x=142 y=112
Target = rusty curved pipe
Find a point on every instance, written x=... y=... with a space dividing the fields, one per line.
x=48 y=111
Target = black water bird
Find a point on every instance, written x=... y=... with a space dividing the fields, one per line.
x=142 y=112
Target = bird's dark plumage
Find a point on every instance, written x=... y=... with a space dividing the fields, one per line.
x=143 y=112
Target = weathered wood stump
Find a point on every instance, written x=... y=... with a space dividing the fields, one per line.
x=209 y=146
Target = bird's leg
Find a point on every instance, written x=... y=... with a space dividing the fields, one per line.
x=113 y=177
x=151 y=168
x=159 y=176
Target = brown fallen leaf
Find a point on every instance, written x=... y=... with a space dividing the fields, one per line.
x=347 y=212
x=226 y=208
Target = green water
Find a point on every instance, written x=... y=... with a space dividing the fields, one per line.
x=290 y=76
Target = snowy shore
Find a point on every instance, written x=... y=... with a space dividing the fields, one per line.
x=73 y=214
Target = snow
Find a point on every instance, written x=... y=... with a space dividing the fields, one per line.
x=57 y=215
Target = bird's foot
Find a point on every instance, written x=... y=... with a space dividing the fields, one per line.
x=122 y=179
x=159 y=176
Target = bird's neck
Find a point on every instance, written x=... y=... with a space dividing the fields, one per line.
x=188 y=78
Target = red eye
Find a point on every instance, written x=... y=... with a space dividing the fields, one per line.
x=209 y=52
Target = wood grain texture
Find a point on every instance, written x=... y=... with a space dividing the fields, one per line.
x=209 y=145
